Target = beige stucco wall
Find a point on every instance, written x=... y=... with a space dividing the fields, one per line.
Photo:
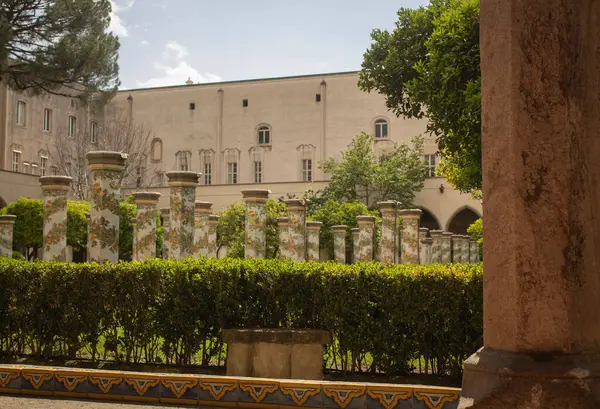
x=15 y=185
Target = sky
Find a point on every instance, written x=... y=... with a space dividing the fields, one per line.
x=165 y=42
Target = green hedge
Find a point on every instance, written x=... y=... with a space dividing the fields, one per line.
x=384 y=318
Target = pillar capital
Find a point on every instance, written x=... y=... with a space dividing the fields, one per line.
x=314 y=225
x=106 y=160
x=283 y=221
x=339 y=228
x=7 y=219
x=165 y=211
x=256 y=194
x=145 y=197
x=435 y=233
x=388 y=206
x=365 y=219
x=410 y=213
x=182 y=178
x=58 y=183
x=213 y=218
x=204 y=207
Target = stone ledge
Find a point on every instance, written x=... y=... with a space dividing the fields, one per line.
x=276 y=336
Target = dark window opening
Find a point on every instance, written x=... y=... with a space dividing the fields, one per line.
x=192 y=105
x=318 y=98
x=245 y=102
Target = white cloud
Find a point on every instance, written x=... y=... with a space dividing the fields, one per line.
x=117 y=24
x=144 y=43
x=177 y=75
x=175 y=50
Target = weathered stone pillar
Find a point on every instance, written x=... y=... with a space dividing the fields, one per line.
x=256 y=222
x=366 y=229
x=105 y=193
x=473 y=251
x=446 y=248
x=355 y=244
x=201 y=214
x=436 y=247
x=389 y=230
x=283 y=223
x=297 y=215
x=181 y=214
x=213 y=221
x=88 y=219
x=540 y=149
x=7 y=222
x=134 y=241
x=166 y=231
x=465 y=256
x=145 y=224
x=55 y=190
x=456 y=248
x=312 y=240
x=422 y=236
x=428 y=244
x=339 y=243
x=410 y=236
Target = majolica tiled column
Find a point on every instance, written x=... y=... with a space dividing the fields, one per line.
x=422 y=236
x=201 y=215
x=7 y=223
x=446 y=248
x=355 y=244
x=389 y=230
x=428 y=244
x=473 y=251
x=297 y=215
x=181 y=220
x=88 y=219
x=465 y=256
x=312 y=240
x=256 y=222
x=283 y=224
x=410 y=236
x=105 y=193
x=55 y=190
x=456 y=248
x=366 y=229
x=436 y=247
x=339 y=243
x=145 y=226
x=134 y=241
x=165 y=238
x=213 y=221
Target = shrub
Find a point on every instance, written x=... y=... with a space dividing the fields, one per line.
x=382 y=317
x=476 y=232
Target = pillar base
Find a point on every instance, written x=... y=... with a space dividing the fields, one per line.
x=502 y=380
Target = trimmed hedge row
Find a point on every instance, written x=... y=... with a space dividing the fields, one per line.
x=383 y=318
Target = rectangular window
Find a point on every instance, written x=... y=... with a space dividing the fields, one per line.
x=430 y=160
x=43 y=165
x=93 y=132
x=257 y=172
x=182 y=158
x=232 y=173
x=25 y=167
x=47 y=120
x=21 y=107
x=16 y=161
x=34 y=169
x=54 y=171
x=307 y=170
x=208 y=173
x=72 y=126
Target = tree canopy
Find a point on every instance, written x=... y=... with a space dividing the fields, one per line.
x=58 y=46
x=429 y=67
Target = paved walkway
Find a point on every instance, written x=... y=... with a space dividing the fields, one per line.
x=16 y=402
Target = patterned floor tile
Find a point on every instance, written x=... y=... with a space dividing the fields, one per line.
x=218 y=391
x=345 y=396
x=71 y=383
x=262 y=392
x=300 y=394
x=106 y=384
x=179 y=388
x=38 y=380
x=10 y=378
x=435 y=398
x=141 y=386
x=389 y=396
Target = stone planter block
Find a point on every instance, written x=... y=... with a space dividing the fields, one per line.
x=55 y=190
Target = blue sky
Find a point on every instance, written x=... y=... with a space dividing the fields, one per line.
x=163 y=42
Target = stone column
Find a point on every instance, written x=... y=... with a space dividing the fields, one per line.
x=389 y=230
x=201 y=214
x=256 y=222
x=339 y=243
x=181 y=221
x=355 y=244
x=410 y=236
x=88 y=219
x=473 y=251
x=436 y=247
x=283 y=223
x=540 y=149
x=213 y=221
x=105 y=193
x=428 y=244
x=134 y=241
x=297 y=215
x=145 y=226
x=312 y=240
x=456 y=248
x=366 y=229
x=465 y=257
x=166 y=231
x=446 y=257
x=422 y=236
x=55 y=190
x=7 y=222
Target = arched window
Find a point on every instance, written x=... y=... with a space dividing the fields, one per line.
x=183 y=159
x=264 y=135
x=381 y=128
x=157 y=148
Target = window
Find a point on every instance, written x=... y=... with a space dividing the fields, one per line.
x=318 y=98
x=192 y=105
x=54 y=171
x=430 y=160
x=16 y=161
x=157 y=148
x=72 y=126
x=34 y=169
x=21 y=106
x=264 y=135
x=381 y=128
x=93 y=132
x=206 y=164
x=208 y=173
x=232 y=173
x=160 y=178
x=307 y=170
x=183 y=160
x=257 y=172
x=245 y=102
x=47 y=120
x=43 y=165
x=25 y=167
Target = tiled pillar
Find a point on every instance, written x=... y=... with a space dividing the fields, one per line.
x=339 y=243
x=312 y=240
x=422 y=236
x=88 y=219
x=456 y=248
x=436 y=247
x=389 y=230
x=256 y=222
x=473 y=251
x=465 y=257
x=410 y=236
x=297 y=215
x=213 y=221
x=428 y=244
x=181 y=218
x=166 y=231
x=201 y=214
x=134 y=255
x=145 y=226
x=366 y=229
x=55 y=190
x=7 y=222
x=283 y=223
x=355 y=244
x=446 y=257
x=105 y=193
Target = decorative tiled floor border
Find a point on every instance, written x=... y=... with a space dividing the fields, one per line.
x=220 y=391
